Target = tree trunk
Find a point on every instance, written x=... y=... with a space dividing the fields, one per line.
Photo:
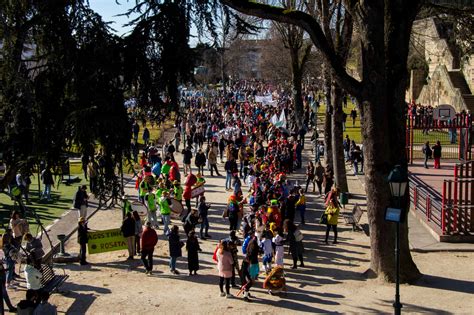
x=223 y=71
x=327 y=122
x=337 y=138
x=297 y=94
x=383 y=110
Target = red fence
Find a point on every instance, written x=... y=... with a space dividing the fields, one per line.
x=428 y=204
x=458 y=206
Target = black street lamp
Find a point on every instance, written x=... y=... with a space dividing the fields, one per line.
x=398 y=180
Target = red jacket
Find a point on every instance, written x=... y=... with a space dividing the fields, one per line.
x=149 y=239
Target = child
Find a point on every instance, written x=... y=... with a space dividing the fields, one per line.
x=266 y=244
x=279 y=249
x=150 y=199
x=192 y=246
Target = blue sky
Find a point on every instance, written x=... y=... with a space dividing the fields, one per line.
x=109 y=10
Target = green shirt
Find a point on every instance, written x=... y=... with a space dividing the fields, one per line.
x=144 y=188
x=127 y=207
x=165 y=208
x=150 y=199
x=178 y=193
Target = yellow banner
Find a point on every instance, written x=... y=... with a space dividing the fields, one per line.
x=106 y=241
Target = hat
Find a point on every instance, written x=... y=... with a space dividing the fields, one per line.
x=81 y=219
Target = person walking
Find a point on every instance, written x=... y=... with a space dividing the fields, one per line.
x=437 y=154
x=48 y=182
x=175 y=245
x=165 y=211
x=230 y=168
x=128 y=231
x=301 y=206
x=200 y=161
x=193 y=248
x=148 y=241
x=319 y=177
x=82 y=239
x=295 y=242
x=212 y=158
x=138 y=231
x=81 y=200
x=278 y=241
x=310 y=172
x=187 y=156
x=203 y=211
x=328 y=179
x=225 y=264
x=332 y=213
x=427 y=152
x=150 y=199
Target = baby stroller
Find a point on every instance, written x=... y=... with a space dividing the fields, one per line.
x=275 y=281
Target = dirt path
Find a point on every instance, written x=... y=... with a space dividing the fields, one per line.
x=332 y=280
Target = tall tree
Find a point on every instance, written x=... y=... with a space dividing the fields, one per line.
x=385 y=33
x=61 y=68
x=293 y=39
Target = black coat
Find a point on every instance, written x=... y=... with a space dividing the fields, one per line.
x=175 y=245
x=200 y=159
x=82 y=234
x=128 y=227
x=192 y=246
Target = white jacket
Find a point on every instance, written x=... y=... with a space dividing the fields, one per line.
x=33 y=277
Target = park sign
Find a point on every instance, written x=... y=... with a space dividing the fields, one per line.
x=106 y=241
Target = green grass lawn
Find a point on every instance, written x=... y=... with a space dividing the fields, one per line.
x=47 y=211
x=353 y=132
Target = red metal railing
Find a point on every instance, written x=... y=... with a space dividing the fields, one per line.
x=427 y=204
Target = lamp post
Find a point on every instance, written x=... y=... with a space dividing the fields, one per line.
x=398 y=181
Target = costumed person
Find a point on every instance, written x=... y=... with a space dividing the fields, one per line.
x=187 y=194
x=279 y=248
x=267 y=248
x=233 y=212
x=150 y=199
x=193 y=248
x=165 y=211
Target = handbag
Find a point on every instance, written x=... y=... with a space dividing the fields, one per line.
x=323 y=219
x=225 y=214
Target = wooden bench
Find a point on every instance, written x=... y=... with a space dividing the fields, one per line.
x=353 y=217
x=50 y=281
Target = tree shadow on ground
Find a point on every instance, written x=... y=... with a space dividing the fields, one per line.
x=441 y=283
x=408 y=308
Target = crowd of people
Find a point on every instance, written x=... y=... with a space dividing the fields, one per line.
x=265 y=210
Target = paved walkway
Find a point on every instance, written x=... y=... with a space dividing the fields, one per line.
x=420 y=237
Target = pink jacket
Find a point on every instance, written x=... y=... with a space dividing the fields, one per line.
x=225 y=264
